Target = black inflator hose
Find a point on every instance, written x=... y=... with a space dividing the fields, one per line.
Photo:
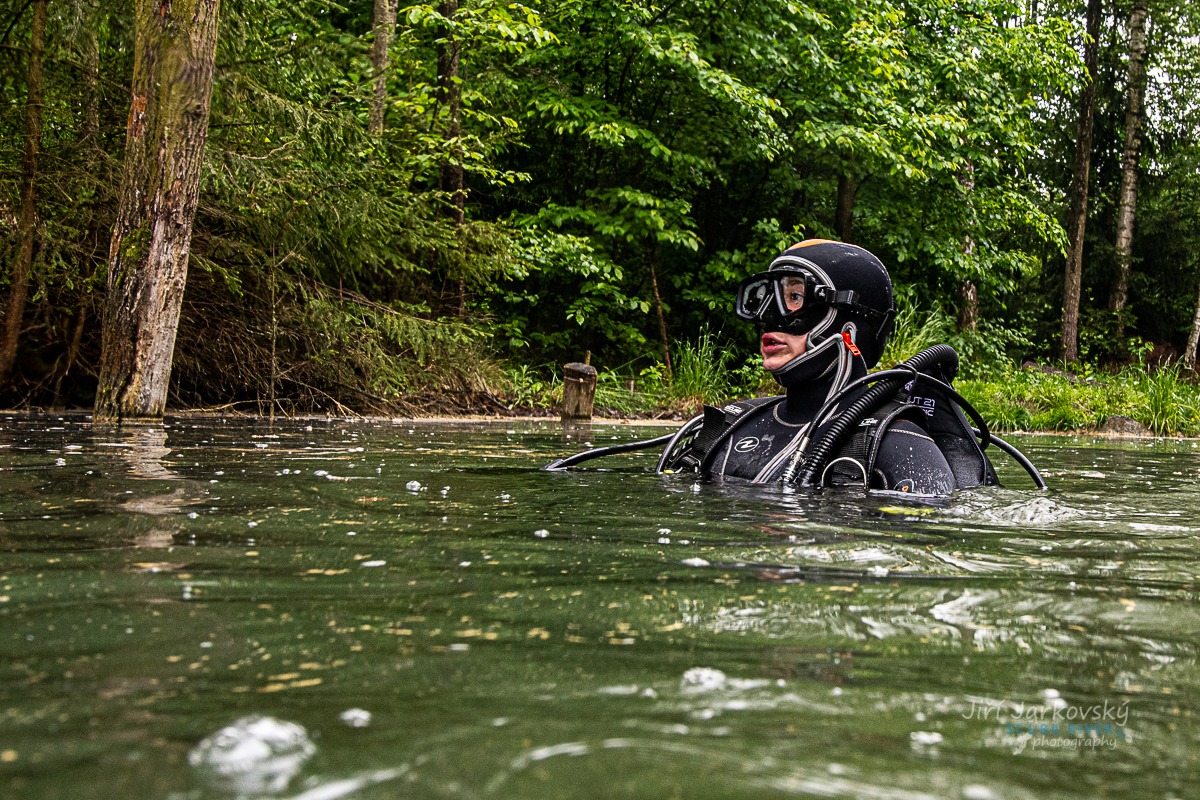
x=587 y=455
x=832 y=437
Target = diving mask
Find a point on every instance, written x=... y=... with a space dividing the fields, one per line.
x=789 y=300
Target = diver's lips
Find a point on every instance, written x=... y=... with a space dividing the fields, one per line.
x=771 y=344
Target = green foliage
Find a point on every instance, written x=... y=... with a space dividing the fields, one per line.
x=603 y=143
x=1163 y=400
x=295 y=345
x=914 y=330
x=700 y=372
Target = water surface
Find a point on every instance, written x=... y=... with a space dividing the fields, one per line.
x=321 y=609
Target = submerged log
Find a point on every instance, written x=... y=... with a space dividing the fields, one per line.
x=579 y=391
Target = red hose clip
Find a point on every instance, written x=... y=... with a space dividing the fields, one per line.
x=850 y=345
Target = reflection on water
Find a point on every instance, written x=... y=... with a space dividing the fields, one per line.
x=323 y=609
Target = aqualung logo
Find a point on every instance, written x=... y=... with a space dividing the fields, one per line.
x=747 y=444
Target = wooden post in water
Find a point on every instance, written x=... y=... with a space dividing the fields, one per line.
x=579 y=392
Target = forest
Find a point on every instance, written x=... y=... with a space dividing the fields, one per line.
x=382 y=208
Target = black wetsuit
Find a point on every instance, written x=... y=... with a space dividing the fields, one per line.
x=908 y=459
x=766 y=434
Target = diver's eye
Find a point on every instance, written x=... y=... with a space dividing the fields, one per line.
x=793 y=293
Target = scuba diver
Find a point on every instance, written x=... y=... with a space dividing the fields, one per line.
x=824 y=311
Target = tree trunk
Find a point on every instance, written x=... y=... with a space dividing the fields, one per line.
x=1189 y=352
x=27 y=220
x=449 y=94
x=1077 y=223
x=847 y=189
x=384 y=23
x=968 y=312
x=658 y=309
x=174 y=53
x=1127 y=205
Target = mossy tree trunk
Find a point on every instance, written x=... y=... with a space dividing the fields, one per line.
x=174 y=53
x=27 y=220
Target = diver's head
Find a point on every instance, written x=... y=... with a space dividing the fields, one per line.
x=814 y=292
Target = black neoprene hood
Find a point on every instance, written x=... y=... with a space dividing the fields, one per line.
x=848 y=268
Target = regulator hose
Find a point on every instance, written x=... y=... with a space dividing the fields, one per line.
x=596 y=452
x=1021 y=459
x=806 y=468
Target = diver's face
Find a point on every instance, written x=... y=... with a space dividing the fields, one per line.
x=779 y=348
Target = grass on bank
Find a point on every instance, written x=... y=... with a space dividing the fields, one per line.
x=1166 y=400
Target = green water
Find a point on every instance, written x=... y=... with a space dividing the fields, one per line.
x=442 y=620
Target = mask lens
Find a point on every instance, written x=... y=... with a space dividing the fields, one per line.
x=792 y=289
x=753 y=296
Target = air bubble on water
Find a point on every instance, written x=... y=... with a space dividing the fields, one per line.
x=499 y=722
x=254 y=756
x=252 y=524
x=664 y=540
x=351 y=533
x=355 y=717
x=541 y=533
x=413 y=486
x=206 y=645
x=60 y=462
x=192 y=515
x=702 y=679
x=836 y=691
x=219 y=472
x=373 y=563
x=504 y=497
x=445 y=491
x=464 y=563
x=694 y=562
x=320 y=473
x=649 y=693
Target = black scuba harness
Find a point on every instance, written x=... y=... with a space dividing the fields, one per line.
x=848 y=428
